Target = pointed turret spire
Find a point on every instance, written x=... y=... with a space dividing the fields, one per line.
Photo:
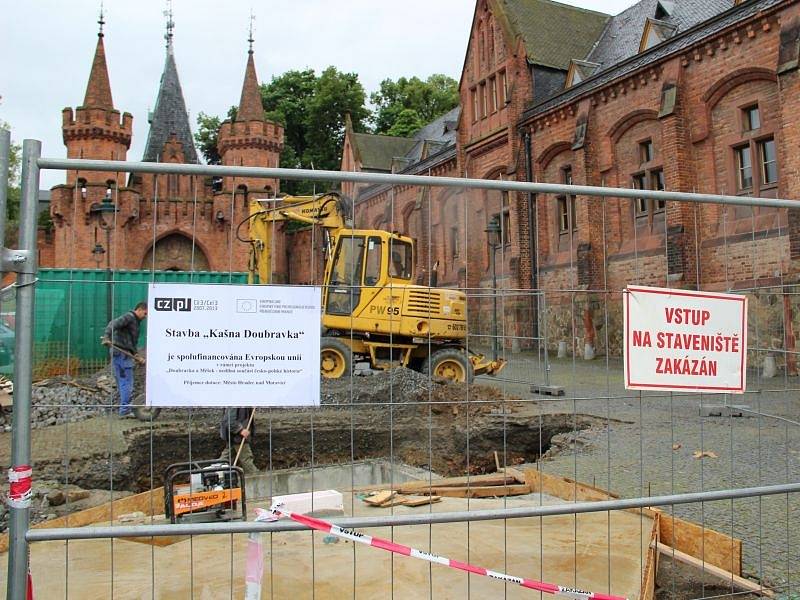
x=98 y=90
x=250 y=107
x=169 y=118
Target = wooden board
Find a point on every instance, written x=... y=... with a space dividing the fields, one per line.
x=486 y=491
x=706 y=544
x=648 y=589
x=147 y=502
x=720 y=550
x=726 y=576
x=479 y=480
x=380 y=498
x=564 y=487
x=161 y=541
x=421 y=500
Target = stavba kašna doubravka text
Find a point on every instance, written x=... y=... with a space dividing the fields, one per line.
x=668 y=340
x=285 y=334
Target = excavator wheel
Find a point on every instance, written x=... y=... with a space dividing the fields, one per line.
x=450 y=364
x=336 y=358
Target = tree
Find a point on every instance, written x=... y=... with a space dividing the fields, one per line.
x=207 y=135
x=12 y=204
x=285 y=101
x=335 y=95
x=407 y=122
x=312 y=111
x=430 y=99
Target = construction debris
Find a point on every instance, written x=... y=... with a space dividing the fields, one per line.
x=378 y=498
x=704 y=454
x=387 y=498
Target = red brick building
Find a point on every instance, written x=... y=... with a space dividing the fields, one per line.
x=685 y=95
x=143 y=221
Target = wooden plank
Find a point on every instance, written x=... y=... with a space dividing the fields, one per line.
x=702 y=543
x=487 y=491
x=380 y=497
x=146 y=502
x=564 y=487
x=720 y=550
x=421 y=500
x=518 y=475
x=160 y=541
x=394 y=501
x=735 y=580
x=648 y=589
x=421 y=484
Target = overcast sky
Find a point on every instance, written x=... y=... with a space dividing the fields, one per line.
x=46 y=49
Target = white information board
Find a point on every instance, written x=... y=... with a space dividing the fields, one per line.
x=232 y=345
x=678 y=340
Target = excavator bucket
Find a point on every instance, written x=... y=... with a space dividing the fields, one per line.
x=483 y=366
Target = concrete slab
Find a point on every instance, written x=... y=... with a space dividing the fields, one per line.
x=567 y=550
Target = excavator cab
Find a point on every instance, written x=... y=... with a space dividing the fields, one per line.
x=363 y=263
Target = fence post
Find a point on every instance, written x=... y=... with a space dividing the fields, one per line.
x=5 y=159
x=23 y=262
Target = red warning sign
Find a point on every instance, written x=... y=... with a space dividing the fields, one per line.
x=679 y=340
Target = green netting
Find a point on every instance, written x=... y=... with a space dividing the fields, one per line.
x=74 y=306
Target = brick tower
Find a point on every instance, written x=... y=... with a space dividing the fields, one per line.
x=250 y=140
x=96 y=129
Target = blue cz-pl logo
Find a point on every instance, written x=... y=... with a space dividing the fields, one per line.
x=173 y=304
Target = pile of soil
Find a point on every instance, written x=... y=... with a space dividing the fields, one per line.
x=406 y=386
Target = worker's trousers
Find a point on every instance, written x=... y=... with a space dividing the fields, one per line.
x=245 y=458
x=123 y=373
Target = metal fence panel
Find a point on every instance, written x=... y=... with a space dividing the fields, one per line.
x=556 y=421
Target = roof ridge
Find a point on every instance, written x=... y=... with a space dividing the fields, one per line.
x=383 y=135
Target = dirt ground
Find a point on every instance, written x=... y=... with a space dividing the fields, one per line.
x=577 y=551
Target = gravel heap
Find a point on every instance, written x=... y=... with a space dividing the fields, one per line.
x=404 y=386
x=65 y=399
x=395 y=385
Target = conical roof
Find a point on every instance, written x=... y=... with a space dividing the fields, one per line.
x=98 y=90
x=250 y=107
x=169 y=116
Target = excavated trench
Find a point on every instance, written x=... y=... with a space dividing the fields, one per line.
x=444 y=444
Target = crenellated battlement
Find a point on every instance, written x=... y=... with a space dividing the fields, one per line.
x=253 y=134
x=97 y=123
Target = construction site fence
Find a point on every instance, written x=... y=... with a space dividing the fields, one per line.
x=545 y=299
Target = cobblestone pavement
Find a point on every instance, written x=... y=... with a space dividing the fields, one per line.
x=649 y=450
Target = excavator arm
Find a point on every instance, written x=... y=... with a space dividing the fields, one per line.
x=328 y=211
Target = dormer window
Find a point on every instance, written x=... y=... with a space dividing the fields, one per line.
x=664 y=9
x=655 y=32
x=580 y=70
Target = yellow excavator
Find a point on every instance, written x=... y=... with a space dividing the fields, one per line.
x=371 y=307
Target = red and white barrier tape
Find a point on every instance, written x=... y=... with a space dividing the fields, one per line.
x=19 y=493
x=355 y=536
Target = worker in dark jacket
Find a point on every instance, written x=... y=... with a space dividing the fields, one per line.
x=237 y=425
x=122 y=336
